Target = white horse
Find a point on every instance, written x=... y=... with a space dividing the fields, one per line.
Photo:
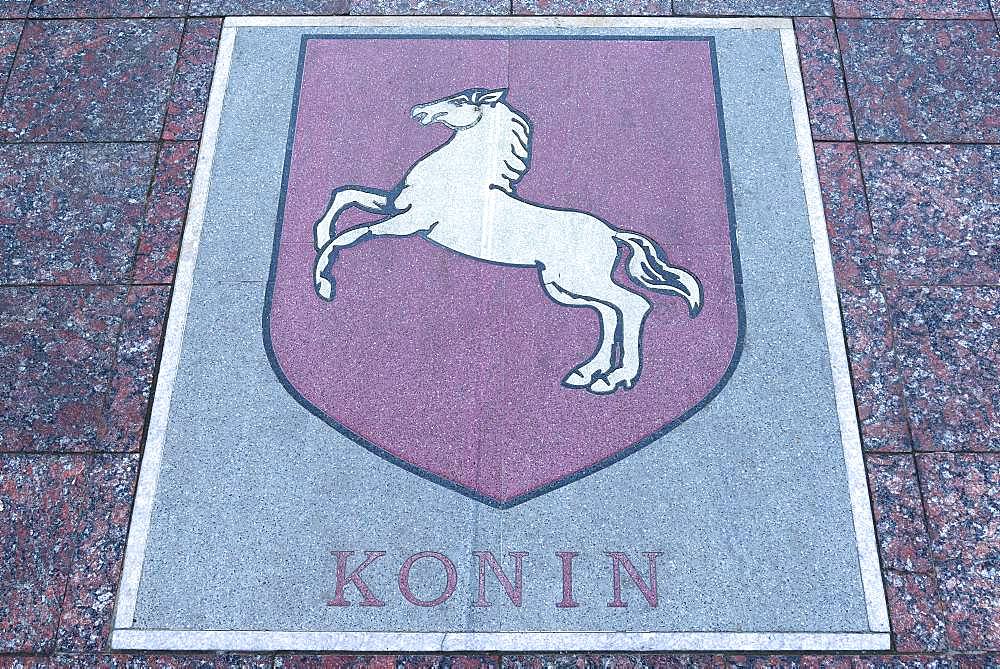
x=462 y=196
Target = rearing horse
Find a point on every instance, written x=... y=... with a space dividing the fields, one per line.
x=462 y=196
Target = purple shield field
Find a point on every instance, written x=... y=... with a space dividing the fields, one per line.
x=451 y=366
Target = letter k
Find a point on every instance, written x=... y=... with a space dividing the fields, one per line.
x=343 y=578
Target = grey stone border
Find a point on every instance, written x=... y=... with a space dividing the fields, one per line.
x=367 y=642
x=125 y=638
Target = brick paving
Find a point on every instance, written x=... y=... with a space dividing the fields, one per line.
x=101 y=106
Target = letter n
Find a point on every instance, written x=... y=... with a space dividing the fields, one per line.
x=343 y=578
x=648 y=590
x=513 y=590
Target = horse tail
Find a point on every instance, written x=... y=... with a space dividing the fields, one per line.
x=648 y=267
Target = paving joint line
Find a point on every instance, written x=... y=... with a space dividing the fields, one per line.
x=13 y=61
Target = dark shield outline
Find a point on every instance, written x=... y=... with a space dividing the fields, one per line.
x=606 y=462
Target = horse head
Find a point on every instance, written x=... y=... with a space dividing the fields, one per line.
x=459 y=111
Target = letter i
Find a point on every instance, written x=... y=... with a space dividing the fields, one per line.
x=567 y=580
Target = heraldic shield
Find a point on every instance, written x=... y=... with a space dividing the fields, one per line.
x=499 y=275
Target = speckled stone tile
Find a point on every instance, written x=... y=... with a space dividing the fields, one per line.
x=541 y=661
x=949 y=353
x=685 y=661
x=194 y=661
x=592 y=7
x=140 y=661
x=85 y=621
x=922 y=80
x=913 y=9
x=936 y=212
x=899 y=516
x=335 y=662
x=595 y=661
x=977 y=660
x=677 y=661
x=49 y=9
x=91 y=80
x=267 y=7
x=875 y=375
x=970 y=601
x=876 y=378
x=14 y=9
x=189 y=95
x=159 y=242
x=753 y=7
x=790 y=661
x=136 y=357
x=42 y=502
x=906 y=662
x=70 y=213
x=852 y=243
x=447 y=662
x=430 y=7
x=962 y=496
x=60 y=345
x=59 y=662
x=826 y=96
x=10 y=33
x=916 y=623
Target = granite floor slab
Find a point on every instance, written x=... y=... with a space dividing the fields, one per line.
x=577 y=381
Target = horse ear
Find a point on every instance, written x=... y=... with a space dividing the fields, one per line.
x=493 y=96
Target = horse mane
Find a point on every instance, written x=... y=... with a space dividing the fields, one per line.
x=514 y=145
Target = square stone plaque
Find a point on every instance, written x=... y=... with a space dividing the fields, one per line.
x=504 y=334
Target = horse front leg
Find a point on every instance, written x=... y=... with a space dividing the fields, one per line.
x=400 y=225
x=601 y=362
x=633 y=308
x=368 y=199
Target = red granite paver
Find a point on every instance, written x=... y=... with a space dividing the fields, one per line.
x=899 y=513
x=57 y=347
x=917 y=625
x=947 y=347
x=85 y=620
x=49 y=9
x=592 y=7
x=970 y=603
x=90 y=80
x=922 y=80
x=334 y=662
x=913 y=9
x=195 y=65
x=138 y=351
x=10 y=35
x=44 y=500
x=160 y=240
x=70 y=213
x=826 y=95
x=962 y=495
x=935 y=212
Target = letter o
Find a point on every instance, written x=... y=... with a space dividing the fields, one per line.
x=404 y=579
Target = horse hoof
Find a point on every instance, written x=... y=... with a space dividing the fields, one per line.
x=576 y=380
x=602 y=387
x=324 y=288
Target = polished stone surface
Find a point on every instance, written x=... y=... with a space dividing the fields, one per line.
x=957 y=496
x=763 y=473
x=90 y=80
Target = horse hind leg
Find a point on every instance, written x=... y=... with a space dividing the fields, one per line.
x=633 y=308
x=601 y=362
x=368 y=199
